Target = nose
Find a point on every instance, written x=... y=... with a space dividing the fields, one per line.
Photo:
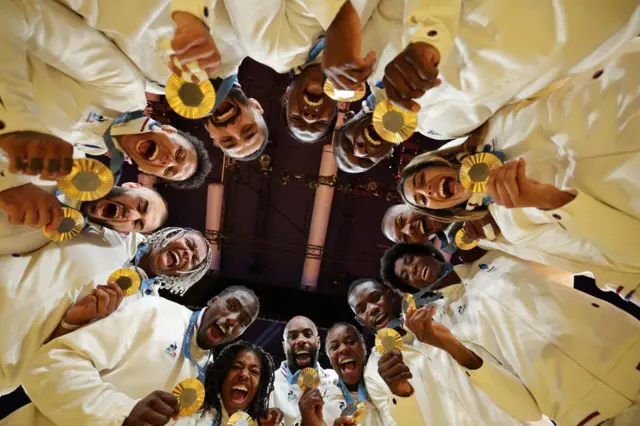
x=406 y=229
x=168 y=160
x=372 y=310
x=414 y=270
x=132 y=214
x=309 y=116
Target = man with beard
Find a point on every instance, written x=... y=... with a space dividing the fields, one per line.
x=347 y=353
x=402 y=225
x=25 y=209
x=120 y=370
x=315 y=406
x=438 y=395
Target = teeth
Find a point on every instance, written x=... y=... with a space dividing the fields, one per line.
x=369 y=138
x=302 y=352
x=442 y=188
x=421 y=227
x=241 y=388
x=424 y=273
x=347 y=361
x=312 y=103
x=223 y=328
x=155 y=152
x=226 y=115
x=176 y=258
x=379 y=318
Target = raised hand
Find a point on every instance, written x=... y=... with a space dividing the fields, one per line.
x=37 y=154
x=310 y=406
x=192 y=41
x=101 y=302
x=157 y=409
x=31 y=205
x=395 y=373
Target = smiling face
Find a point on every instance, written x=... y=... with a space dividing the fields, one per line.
x=241 y=383
x=402 y=225
x=309 y=111
x=360 y=143
x=181 y=255
x=237 y=125
x=347 y=353
x=301 y=343
x=418 y=271
x=161 y=152
x=435 y=187
x=226 y=318
x=372 y=305
x=125 y=210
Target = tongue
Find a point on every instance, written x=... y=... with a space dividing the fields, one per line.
x=238 y=395
x=349 y=367
x=315 y=88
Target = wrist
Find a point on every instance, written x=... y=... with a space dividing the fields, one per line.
x=463 y=355
x=69 y=326
x=558 y=199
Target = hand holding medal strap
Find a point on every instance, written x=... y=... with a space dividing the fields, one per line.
x=240 y=418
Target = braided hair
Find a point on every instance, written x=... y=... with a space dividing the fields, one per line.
x=181 y=283
x=217 y=371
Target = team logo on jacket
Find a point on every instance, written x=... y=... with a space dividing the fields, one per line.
x=93 y=117
x=486 y=267
x=172 y=350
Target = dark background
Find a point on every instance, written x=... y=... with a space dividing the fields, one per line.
x=265 y=225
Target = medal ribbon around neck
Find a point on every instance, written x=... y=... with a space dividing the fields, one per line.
x=362 y=392
x=141 y=251
x=117 y=157
x=186 y=344
x=293 y=378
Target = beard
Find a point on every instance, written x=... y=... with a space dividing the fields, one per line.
x=293 y=362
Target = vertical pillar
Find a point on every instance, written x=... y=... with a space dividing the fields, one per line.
x=215 y=193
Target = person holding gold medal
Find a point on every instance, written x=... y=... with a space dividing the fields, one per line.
x=237 y=387
x=120 y=370
x=52 y=291
x=404 y=378
x=305 y=392
x=347 y=352
x=489 y=304
x=565 y=197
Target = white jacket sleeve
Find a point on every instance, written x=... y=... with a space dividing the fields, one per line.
x=502 y=386
x=18 y=109
x=610 y=230
x=432 y=21
x=382 y=398
x=64 y=380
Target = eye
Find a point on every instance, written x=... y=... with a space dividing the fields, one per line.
x=169 y=171
x=255 y=372
x=333 y=347
x=405 y=276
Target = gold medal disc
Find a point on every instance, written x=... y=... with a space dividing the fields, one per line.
x=308 y=378
x=190 y=394
x=356 y=410
x=127 y=279
x=475 y=170
x=392 y=123
x=387 y=340
x=344 y=95
x=71 y=225
x=89 y=180
x=190 y=100
x=408 y=302
x=465 y=242
x=240 y=418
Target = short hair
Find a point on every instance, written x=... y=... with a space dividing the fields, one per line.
x=357 y=283
x=387 y=263
x=339 y=140
x=342 y=324
x=198 y=178
x=391 y=210
x=217 y=372
x=234 y=288
x=120 y=190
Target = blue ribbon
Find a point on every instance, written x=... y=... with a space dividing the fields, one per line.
x=223 y=87
x=141 y=251
x=186 y=344
x=371 y=101
x=316 y=50
x=362 y=392
x=218 y=419
x=117 y=157
x=293 y=378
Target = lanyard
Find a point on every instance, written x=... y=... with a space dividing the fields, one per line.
x=117 y=157
x=142 y=249
x=362 y=392
x=316 y=50
x=293 y=378
x=186 y=344
x=218 y=419
x=223 y=89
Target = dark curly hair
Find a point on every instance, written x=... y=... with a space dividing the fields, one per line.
x=387 y=263
x=197 y=179
x=217 y=371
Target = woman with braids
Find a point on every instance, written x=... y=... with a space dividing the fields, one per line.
x=239 y=379
x=567 y=196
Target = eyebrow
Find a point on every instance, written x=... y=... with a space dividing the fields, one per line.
x=194 y=247
x=144 y=206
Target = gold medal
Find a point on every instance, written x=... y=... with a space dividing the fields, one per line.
x=190 y=394
x=356 y=410
x=475 y=170
x=71 y=224
x=393 y=124
x=408 y=302
x=344 y=95
x=190 y=100
x=308 y=378
x=89 y=180
x=240 y=418
x=127 y=279
x=387 y=340
x=465 y=242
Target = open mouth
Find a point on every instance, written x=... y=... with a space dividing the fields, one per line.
x=106 y=209
x=239 y=394
x=424 y=273
x=225 y=112
x=371 y=136
x=446 y=188
x=348 y=366
x=148 y=150
x=303 y=357
x=380 y=321
x=217 y=332
x=312 y=99
x=172 y=259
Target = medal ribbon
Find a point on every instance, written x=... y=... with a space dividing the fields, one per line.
x=293 y=378
x=186 y=344
x=362 y=392
x=117 y=157
x=224 y=87
x=142 y=249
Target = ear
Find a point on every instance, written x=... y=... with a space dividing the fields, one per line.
x=131 y=185
x=212 y=301
x=168 y=129
x=256 y=105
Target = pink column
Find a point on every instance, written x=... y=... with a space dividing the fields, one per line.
x=215 y=193
x=319 y=221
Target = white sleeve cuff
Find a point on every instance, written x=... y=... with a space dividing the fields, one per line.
x=198 y=8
